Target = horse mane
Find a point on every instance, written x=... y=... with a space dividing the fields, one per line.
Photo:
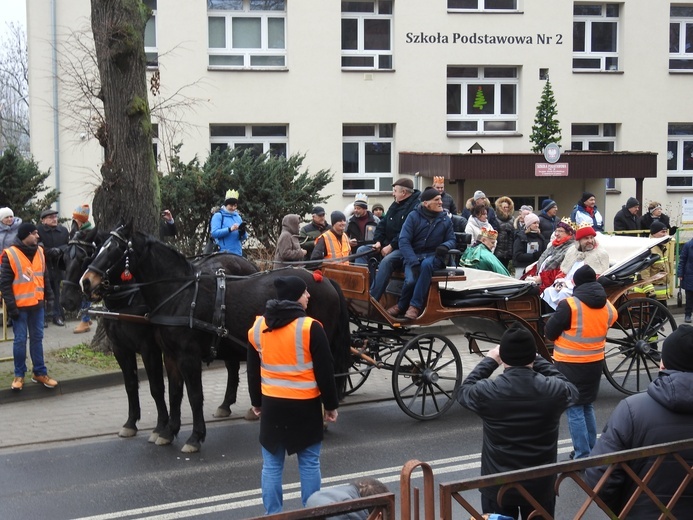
x=165 y=252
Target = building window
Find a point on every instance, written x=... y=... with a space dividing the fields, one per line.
x=259 y=139
x=680 y=155
x=150 y=36
x=482 y=100
x=681 y=37
x=595 y=37
x=367 y=34
x=595 y=137
x=156 y=144
x=482 y=5
x=367 y=157
x=247 y=34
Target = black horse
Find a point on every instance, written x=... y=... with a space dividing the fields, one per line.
x=129 y=338
x=186 y=306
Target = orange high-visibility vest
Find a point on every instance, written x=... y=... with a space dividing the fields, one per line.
x=28 y=284
x=286 y=365
x=584 y=341
x=335 y=247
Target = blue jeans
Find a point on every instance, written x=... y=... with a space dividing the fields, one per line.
x=86 y=305
x=273 y=467
x=31 y=321
x=388 y=265
x=582 y=424
x=415 y=290
x=363 y=260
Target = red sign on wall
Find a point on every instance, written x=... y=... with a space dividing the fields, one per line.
x=551 y=170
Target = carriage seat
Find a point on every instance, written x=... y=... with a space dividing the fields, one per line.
x=485 y=296
x=624 y=273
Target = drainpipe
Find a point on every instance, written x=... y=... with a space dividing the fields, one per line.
x=56 y=128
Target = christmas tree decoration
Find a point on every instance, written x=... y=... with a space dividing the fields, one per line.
x=479 y=100
x=546 y=128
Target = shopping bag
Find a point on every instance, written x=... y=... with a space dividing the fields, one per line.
x=679 y=298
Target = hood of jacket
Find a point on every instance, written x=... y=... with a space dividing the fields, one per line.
x=279 y=313
x=470 y=203
x=591 y=294
x=290 y=223
x=505 y=215
x=673 y=390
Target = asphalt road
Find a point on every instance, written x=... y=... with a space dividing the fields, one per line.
x=107 y=477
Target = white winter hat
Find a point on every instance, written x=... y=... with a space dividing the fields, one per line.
x=6 y=212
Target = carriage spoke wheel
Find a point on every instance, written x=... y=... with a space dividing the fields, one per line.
x=426 y=376
x=634 y=343
x=358 y=372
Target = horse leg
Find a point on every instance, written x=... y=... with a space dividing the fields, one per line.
x=233 y=368
x=193 y=384
x=175 y=391
x=151 y=357
x=127 y=360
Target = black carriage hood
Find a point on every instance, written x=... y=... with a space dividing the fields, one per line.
x=591 y=294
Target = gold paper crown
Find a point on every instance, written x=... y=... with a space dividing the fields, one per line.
x=584 y=225
x=438 y=179
x=489 y=233
x=566 y=220
x=231 y=194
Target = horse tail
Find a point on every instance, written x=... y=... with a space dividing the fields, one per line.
x=341 y=343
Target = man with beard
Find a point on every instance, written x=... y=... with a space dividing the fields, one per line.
x=362 y=224
x=585 y=252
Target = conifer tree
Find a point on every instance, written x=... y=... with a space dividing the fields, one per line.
x=546 y=128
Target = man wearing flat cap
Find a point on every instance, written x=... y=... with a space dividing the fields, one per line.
x=290 y=375
x=664 y=413
x=54 y=238
x=386 y=246
x=333 y=243
x=578 y=329
x=521 y=409
x=311 y=231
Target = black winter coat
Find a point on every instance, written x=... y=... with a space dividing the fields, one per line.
x=586 y=376
x=624 y=220
x=521 y=258
x=547 y=225
x=387 y=232
x=293 y=423
x=662 y=414
x=685 y=267
x=506 y=239
x=54 y=237
x=647 y=220
x=521 y=410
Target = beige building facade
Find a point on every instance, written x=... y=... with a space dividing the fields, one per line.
x=353 y=84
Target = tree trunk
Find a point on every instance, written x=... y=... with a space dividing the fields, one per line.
x=129 y=189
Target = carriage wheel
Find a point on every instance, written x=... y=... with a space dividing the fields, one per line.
x=426 y=376
x=357 y=375
x=633 y=344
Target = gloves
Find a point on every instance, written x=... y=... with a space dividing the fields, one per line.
x=442 y=252
x=54 y=253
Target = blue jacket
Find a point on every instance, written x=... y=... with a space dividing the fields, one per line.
x=685 y=268
x=229 y=241
x=421 y=235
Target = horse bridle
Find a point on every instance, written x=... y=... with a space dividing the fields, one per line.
x=83 y=246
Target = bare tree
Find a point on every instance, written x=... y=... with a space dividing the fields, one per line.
x=14 y=90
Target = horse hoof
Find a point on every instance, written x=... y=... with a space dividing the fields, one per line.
x=161 y=441
x=250 y=415
x=189 y=448
x=127 y=432
x=153 y=437
x=222 y=412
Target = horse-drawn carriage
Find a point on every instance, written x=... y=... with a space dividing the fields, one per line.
x=427 y=368
x=206 y=308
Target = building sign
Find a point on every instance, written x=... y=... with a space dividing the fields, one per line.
x=552 y=152
x=686 y=210
x=484 y=39
x=551 y=170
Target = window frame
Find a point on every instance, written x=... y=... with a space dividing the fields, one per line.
x=683 y=141
x=382 y=181
x=608 y=60
x=586 y=139
x=247 y=54
x=483 y=119
x=682 y=21
x=249 y=138
x=481 y=8
x=151 y=53
x=361 y=52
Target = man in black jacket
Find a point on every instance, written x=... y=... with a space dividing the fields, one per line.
x=627 y=218
x=54 y=238
x=662 y=414
x=521 y=410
